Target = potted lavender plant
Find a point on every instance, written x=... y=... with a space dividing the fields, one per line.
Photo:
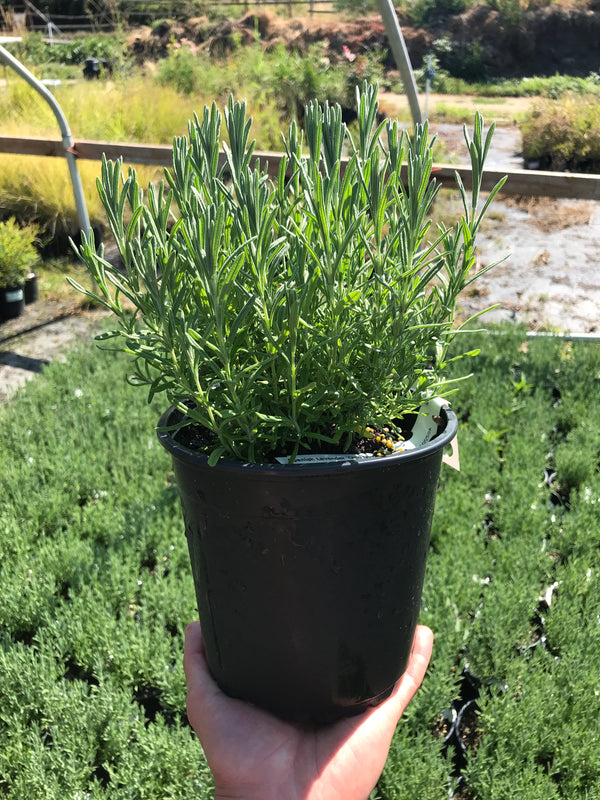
x=299 y=328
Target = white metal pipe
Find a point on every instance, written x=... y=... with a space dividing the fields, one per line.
x=43 y=17
x=593 y=338
x=67 y=139
x=400 y=53
x=571 y=337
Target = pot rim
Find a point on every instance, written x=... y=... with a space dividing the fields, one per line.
x=183 y=453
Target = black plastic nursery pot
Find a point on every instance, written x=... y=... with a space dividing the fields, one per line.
x=309 y=577
x=12 y=302
x=31 y=289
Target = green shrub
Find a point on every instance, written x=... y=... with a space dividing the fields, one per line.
x=95 y=590
x=109 y=47
x=465 y=61
x=182 y=70
x=297 y=79
x=428 y=13
x=564 y=134
x=284 y=78
x=577 y=459
x=34 y=49
x=511 y=12
x=17 y=252
x=556 y=86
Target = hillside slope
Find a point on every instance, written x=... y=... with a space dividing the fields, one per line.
x=475 y=45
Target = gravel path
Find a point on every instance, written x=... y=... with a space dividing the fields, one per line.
x=550 y=278
x=43 y=333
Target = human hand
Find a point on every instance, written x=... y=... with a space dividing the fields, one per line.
x=254 y=755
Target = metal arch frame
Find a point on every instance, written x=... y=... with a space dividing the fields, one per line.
x=67 y=138
x=401 y=57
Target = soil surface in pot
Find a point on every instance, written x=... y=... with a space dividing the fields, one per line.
x=377 y=441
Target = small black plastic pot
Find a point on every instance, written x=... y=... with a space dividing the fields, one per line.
x=309 y=578
x=12 y=302
x=31 y=288
x=91 y=69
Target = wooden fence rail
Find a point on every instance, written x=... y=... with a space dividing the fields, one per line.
x=532 y=183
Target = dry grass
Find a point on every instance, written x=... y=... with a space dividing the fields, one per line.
x=127 y=111
x=132 y=110
x=117 y=111
x=460 y=108
x=40 y=189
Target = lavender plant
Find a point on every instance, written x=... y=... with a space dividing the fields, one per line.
x=283 y=313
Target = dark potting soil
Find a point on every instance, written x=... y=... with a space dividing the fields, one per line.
x=378 y=440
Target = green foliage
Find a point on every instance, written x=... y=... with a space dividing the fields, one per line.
x=556 y=86
x=17 y=252
x=564 y=134
x=35 y=50
x=553 y=87
x=95 y=590
x=109 y=47
x=31 y=49
x=296 y=79
x=466 y=62
x=182 y=70
x=429 y=13
x=280 y=315
x=415 y=768
x=282 y=78
x=290 y=79
x=576 y=456
x=512 y=13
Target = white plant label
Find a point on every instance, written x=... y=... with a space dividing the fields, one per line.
x=15 y=296
x=423 y=431
x=325 y=458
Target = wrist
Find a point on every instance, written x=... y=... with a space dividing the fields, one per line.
x=238 y=793
x=250 y=793
x=229 y=796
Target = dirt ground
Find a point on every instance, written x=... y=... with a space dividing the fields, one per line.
x=503 y=110
x=549 y=249
x=550 y=279
x=43 y=333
